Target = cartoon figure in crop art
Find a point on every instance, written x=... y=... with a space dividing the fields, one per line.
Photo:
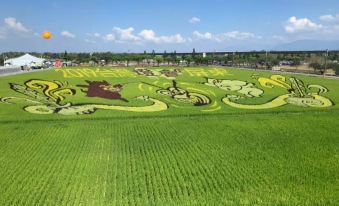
x=145 y=72
x=48 y=97
x=103 y=90
x=170 y=73
x=166 y=73
x=297 y=94
x=182 y=95
x=243 y=88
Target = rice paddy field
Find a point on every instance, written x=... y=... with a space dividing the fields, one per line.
x=168 y=136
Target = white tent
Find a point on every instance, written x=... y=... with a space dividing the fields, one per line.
x=26 y=59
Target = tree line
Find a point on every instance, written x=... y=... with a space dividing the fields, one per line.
x=264 y=60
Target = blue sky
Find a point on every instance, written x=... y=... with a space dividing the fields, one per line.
x=135 y=26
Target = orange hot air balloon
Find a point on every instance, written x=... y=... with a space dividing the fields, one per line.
x=46 y=35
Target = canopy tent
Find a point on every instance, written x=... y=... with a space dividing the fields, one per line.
x=26 y=59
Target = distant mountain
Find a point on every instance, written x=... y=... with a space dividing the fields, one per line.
x=309 y=45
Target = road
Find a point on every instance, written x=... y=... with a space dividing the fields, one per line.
x=13 y=71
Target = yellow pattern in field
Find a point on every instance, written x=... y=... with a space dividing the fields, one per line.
x=85 y=73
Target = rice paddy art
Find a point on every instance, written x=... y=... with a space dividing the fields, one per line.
x=298 y=94
x=164 y=91
x=46 y=97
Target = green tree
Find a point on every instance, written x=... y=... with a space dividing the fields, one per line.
x=168 y=59
x=127 y=58
x=115 y=59
x=2 y=59
x=177 y=60
x=253 y=61
x=317 y=66
x=65 y=56
x=159 y=59
x=188 y=59
x=296 y=61
x=334 y=66
x=174 y=58
x=148 y=59
x=94 y=59
x=198 y=59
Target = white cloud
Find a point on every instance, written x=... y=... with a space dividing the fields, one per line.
x=109 y=37
x=198 y=35
x=228 y=36
x=237 y=35
x=125 y=34
x=149 y=35
x=331 y=31
x=278 y=38
x=295 y=25
x=329 y=18
x=94 y=35
x=194 y=20
x=176 y=38
x=89 y=41
x=67 y=34
x=12 y=23
x=326 y=18
x=3 y=33
x=304 y=28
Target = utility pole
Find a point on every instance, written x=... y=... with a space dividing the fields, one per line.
x=233 y=59
x=326 y=55
x=266 y=61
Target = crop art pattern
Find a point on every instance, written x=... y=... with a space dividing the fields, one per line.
x=297 y=93
x=56 y=97
x=46 y=97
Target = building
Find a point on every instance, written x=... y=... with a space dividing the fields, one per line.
x=25 y=60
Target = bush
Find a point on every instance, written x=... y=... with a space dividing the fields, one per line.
x=335 y=67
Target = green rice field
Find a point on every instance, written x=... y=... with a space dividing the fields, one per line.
x=168 y=136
